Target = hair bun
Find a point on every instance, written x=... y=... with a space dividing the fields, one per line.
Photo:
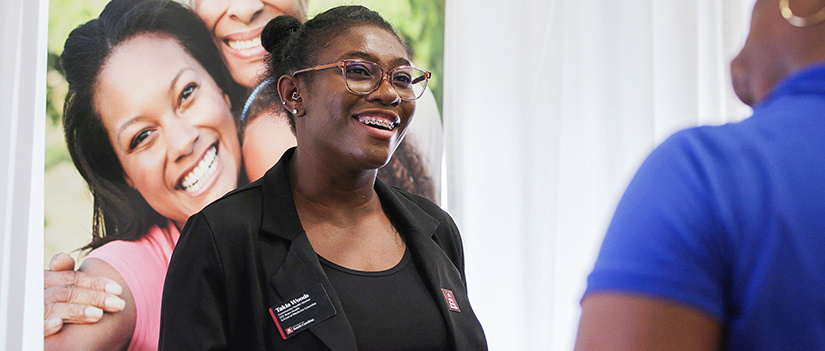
x=277 y=32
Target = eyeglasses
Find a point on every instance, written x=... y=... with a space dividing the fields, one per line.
x=364 y=77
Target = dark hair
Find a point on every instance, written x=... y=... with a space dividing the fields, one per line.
x=407 y=170
x=120 y=211
x=293 y=45
x=264 y=99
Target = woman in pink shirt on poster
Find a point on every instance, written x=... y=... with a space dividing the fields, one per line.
x=149 y=125
x=77 y=297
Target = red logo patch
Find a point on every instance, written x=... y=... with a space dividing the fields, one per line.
x=288 y=331
x=450 y=298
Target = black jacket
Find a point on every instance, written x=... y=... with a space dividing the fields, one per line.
x=248 y=252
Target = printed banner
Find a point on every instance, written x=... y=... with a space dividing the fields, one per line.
x=71 y=215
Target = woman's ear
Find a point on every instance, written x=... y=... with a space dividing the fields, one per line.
x=289 y=92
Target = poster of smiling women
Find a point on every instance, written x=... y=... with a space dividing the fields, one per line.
x=145 y=130
x=70 y=218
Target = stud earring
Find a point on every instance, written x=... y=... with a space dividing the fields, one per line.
x=283 y=103
x=294 y=111
x=295 y=95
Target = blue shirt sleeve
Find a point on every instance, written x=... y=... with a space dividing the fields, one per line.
x=664 y=239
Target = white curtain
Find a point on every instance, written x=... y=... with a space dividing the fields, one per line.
x=23 y=28
x=549 y=108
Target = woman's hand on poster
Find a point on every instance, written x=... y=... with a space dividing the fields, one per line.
x=76 y=297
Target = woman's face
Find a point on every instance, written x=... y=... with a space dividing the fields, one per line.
x=169 y=124
x=236 y=27
x=342 y=125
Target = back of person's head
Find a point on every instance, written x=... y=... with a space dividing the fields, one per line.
x=120 y=212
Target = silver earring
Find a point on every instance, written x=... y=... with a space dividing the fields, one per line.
x=295 y=95
x=283 y=103
x=294 y=111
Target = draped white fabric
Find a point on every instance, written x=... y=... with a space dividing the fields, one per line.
x=549 y=108
x=23 y=28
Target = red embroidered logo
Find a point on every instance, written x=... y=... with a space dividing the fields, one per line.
x=450 y=298
x=288 y=331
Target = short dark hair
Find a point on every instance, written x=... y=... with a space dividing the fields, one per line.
x=120 y=211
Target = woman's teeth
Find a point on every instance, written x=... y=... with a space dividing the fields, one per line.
x=244 y=44
x=377 y=122
x=208 y=165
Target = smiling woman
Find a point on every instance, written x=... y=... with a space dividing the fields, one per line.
x=181 y=154
x=320 y=254
x=236 y=27
x=149 y=126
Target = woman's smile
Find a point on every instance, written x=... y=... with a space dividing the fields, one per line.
x=202 y=173
x=182 y=154
x=244 y=46
x=363 y=129
x=236 y=27
x=379 y=123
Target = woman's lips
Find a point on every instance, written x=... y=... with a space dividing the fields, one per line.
x=245 y=45
x=241 y=45
x=378 y=118
x=195 y=180
x=379 y=122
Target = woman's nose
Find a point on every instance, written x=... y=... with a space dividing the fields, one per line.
x=181 y=137
x=385 y=92
x=245 y=10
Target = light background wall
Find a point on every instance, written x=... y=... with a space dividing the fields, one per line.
x=549 y=107
x=22 y=115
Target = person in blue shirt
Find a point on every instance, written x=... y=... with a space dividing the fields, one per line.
x=717 y=242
